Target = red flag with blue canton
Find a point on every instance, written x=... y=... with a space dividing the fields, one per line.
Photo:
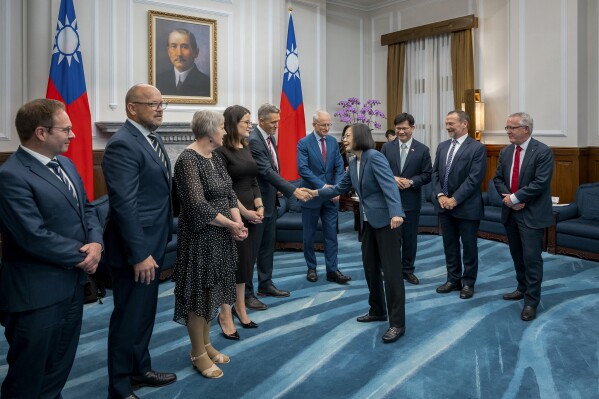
x=292 y=126
x=67 y=85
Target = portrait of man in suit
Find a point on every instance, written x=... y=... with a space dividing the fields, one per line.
x=523 y=178
x=410 y=161
x=51 y=238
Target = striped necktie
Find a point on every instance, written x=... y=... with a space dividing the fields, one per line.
x=448 y=166
x=55 y=167
x=156 y=147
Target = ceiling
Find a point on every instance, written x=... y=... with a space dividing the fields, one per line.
x=364 y=5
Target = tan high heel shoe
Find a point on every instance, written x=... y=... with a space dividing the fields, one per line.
x=211 y=372
x=219 y=358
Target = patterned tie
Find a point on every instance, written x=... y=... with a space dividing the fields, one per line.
x=271 y=144
x=323 y=149
x=515 y=170
x=156 y=147
x=448 y=166
x=53 y=164
x=403 y=155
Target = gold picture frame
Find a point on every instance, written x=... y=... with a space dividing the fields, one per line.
x=170 y=44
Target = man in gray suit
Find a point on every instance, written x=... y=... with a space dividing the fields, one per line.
x=523 y=177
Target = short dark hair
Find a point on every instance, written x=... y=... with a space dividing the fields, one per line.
x=362 y=137
x=233 y=115
x=36 y=113
x=390 y=132
x=462 y=116
x=183 y=31
x=404 y=117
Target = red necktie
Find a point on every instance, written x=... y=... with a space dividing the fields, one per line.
x=272 y=153
x=323 y=149
x=516 y=170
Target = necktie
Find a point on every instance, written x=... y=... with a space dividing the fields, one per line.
x=179 y=83
x=515 y=170
x=271 y=142
x=323 y=149
x=156 y=147
x=53 y=164
x=448 y=166
x=403 y=155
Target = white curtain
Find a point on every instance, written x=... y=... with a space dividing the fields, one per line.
x=428 y=89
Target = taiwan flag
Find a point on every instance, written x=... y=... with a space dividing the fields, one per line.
x=67 y=85
x=292 y=126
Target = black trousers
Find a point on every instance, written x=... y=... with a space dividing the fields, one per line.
x=130 y=329
x=526 y=246
x=265 y=243
x=380 y=251
x=455 y=229
x=42 y=346
x=409 y=242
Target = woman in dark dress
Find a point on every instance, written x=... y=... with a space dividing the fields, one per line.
x=243 y=171
x=209 y=224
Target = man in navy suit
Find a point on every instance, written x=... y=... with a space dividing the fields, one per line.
x=459 y=169
x=264 y=151
x=320 y=165
x=138 y=176
x=51 y=238
x=410 y=161
x=523 y=177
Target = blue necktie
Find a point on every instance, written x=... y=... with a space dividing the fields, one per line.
x=156 y=147
x=448 y=166
x=53 y=164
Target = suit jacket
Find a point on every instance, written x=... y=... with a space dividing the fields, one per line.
x=534 y=183
x=196 y=83
x=139 y=190
x=43 y=227
x=311 y=168
x=466 y=174
x=417 y=167
x=269 y=179
x=379 y=197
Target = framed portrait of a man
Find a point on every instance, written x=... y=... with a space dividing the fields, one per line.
x=182 y=53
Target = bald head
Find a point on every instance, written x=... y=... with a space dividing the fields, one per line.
x=141 y=101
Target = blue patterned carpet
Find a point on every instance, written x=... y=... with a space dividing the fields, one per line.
x=310 y=346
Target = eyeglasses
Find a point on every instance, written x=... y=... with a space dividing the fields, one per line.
x=154 y=105
x=511 y=128
x=66 y=130
x=325 y=125
x=402 y=129
x=249 y=123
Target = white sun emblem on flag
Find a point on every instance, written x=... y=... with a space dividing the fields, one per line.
x=66 y=41
x=292 y=64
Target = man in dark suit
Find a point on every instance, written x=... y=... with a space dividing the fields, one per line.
x=459 y=169
x=410 y=161
x=51 y=237
x=138 y=176
x=523 y=177
x=185 y=79
x=264 y=151
x=320 y=165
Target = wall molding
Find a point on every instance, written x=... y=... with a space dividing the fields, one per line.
x=183 y=7
x=377 y=5
x=5 y=78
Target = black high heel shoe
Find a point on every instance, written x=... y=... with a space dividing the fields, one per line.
x=234 y=336
x=251 y=324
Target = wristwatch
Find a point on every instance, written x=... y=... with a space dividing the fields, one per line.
x=411 y=183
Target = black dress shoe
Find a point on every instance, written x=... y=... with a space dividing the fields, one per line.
x=152 y=379
x=467 y=292
x=271 y=290
x=448 y=287
x=367 y=318
x=233 y=336
x=254 y=303
x=513 y=296
x=411 y=278
x=393 y=334
x=251 y=324
x=312 y=276
x=528 y=313
x=338 y=277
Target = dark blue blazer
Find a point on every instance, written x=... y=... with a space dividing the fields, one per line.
x=376 y=188
x=466 y=174
x=139 y=190
x=418 y=168
x=269 y=179
x=534 y=183
x=43 y=227
x=314 y=173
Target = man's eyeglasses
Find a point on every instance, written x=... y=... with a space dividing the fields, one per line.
x=66 y=130
x=325 y=125
x=154 y=105
x=512 y=128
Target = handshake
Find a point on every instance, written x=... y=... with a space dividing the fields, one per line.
x=305 y=194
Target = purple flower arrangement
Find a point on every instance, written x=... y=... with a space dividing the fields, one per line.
x=351 y=112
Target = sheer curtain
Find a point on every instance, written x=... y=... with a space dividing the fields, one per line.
x=428 y=88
